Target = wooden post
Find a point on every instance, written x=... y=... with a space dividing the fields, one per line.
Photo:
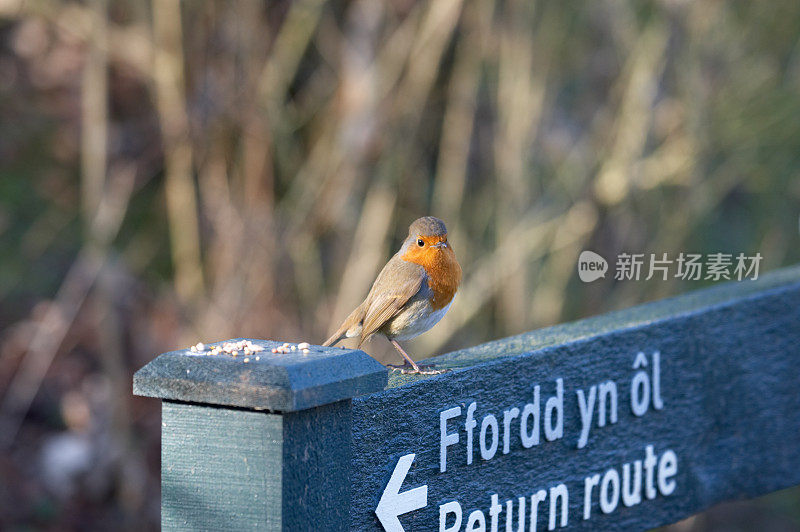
x=629 y=420
x=258 y=442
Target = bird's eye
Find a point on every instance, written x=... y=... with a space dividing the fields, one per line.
x=420 y=242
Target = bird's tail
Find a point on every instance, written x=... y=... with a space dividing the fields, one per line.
x=337 y=336
x=350 y=327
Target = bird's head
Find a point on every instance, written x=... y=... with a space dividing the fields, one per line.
x=427 y=242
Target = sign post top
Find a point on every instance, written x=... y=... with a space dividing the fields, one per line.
x=286 y=381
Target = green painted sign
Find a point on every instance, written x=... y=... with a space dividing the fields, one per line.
x=626 y=421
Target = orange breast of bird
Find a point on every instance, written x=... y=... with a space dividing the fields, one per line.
x=444 y=272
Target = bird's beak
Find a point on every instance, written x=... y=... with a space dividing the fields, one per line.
x=440 y=245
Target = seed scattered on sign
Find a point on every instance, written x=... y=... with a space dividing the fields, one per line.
x=231 y=348
x=283 y=349
x=287 y=348
x=248 y=349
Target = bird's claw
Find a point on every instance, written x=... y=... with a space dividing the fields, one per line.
x=421 y=369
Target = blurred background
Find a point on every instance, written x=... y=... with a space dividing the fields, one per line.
x=180 y=172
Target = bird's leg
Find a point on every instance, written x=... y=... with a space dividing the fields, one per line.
x=410 y=366
x=405 y=356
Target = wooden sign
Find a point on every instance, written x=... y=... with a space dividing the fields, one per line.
x=626 y=421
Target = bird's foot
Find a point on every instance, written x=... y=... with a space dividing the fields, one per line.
x=420 y=369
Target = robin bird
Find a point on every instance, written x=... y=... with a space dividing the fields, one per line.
x=411 y=294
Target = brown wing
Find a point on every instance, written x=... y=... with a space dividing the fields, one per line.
x=398 y=282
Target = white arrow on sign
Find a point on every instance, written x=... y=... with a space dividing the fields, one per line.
x=393 y=503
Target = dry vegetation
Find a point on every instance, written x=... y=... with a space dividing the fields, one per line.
x=179 y=172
